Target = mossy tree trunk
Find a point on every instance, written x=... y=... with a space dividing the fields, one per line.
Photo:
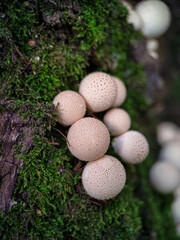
x=46 y=47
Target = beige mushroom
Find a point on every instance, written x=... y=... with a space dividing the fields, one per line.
x=70 y=106
x=104 y=178
x=164 y=177
x=131 y=146
x=117 y=121
x=121 y=92
x=99 y=91
x=88 y=139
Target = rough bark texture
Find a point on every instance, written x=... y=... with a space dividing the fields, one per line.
x=14 y=133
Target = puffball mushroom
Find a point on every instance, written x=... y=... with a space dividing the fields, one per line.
x=121 y=92
x=170 y=153
x=134 y=19
x=131 y=146
x=152 y=44
x=166 y=131
x=88 y=139
x=156 y=17
x=104 y=178
x=164 y=177
x=99 y=91
x=176 y=210
x=117 y=121
x=71 y=107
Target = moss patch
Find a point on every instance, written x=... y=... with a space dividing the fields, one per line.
x=71 y=40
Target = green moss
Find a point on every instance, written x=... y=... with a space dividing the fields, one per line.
x=51 y=203
x=48 y=205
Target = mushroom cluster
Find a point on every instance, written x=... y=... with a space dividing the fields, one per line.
x=165 y=173
x=152 y=18
x=88 y=138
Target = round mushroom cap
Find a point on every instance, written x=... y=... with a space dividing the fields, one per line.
x=170 y=153
x=166 y=131
x=152 y=44
x=121 y=92
x=176 y=210
x=164 y=177
x=117 y=121
x=104 y=178
x=88 y=139
x=99 y=91
x=134 y=19
x=156 y=17
x=131 y=146
x=71 y=107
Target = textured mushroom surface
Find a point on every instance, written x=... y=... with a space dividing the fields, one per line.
x=170 y=153
x=156 y=17
x=88 y=139
x=164 y=177
x=104 y=178
x=131 y=146
x=71 y=107
x=99 y=91
x=121 y=92
x=117 y=121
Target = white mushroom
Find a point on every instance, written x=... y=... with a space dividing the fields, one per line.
x=121 y=92
x=152 y=44
x=117 y=121
x=166 y=131
x=134 y=19
x=164 y=177
x=176 y=210
x=170 y=153
x=104 y=178
x=99 y=91
x=71 y=107
x=156 y=17
x=88 y=139
x=131 y=146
